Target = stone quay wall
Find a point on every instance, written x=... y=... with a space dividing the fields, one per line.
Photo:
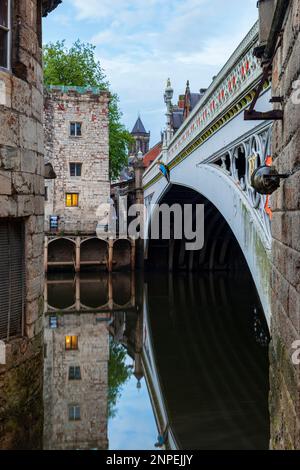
x=22 y=200
x=285 y=282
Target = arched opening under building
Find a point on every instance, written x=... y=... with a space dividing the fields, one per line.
x=122 y=287
x=61 y=252
x=94 y=290
x=94 y=252
x=61 y=291
x=122 y=255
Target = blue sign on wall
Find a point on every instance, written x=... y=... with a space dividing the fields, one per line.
x=54 y=222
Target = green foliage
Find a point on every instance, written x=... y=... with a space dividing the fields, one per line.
x=77 y=66
x=118 y=374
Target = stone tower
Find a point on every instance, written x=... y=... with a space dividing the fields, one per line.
x=141 y=137
x=77 y=145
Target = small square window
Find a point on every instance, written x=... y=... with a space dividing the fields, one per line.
x=75 y=129
x=75 y=169
x=74 y=413
x=71 y=343
x=74 y=373
x=72 y=200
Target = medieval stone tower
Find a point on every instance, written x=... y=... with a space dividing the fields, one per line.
x=77 y=145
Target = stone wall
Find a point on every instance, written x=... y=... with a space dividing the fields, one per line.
x=22 y=198
x=285 y=282
x=91 y=149
x=90 y=392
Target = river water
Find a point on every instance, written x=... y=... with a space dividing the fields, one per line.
x=155 y=361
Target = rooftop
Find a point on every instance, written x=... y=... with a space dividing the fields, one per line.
x=82 y=90
x=49 y=5
x=139 y=127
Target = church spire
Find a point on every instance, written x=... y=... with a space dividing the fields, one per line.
x=139 y=127
x=141 y=137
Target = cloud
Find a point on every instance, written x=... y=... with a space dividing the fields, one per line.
x=142 y=43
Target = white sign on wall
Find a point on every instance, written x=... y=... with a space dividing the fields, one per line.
x=2 y=93
x=2 y=353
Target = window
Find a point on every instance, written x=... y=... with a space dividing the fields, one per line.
x=46 y=193
x=12 y=278
x=71 y=343
x=74 y=373
x=75 y=169
x=5 y=33
x=74 y=413
x=75 y=129
x=72 y=200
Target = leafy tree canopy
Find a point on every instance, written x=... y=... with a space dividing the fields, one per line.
x=77 y=66
x=118 y=374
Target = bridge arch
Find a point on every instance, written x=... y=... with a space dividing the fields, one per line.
x=228 y=217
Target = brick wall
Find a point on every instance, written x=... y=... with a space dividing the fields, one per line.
x=285 y=282
x=91 y=149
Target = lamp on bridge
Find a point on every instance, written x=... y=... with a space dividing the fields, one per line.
x=266 y=179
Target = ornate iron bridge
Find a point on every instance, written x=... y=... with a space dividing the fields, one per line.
x=215 y=152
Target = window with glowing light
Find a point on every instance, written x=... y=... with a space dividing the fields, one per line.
x=72 y=199
x=71 y=343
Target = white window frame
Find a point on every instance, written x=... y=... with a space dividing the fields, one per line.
x=77 y=164
x=76 y=135
x=8 y=30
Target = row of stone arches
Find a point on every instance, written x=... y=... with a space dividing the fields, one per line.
x=79 y=252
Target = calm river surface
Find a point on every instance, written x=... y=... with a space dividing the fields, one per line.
x=154 y=361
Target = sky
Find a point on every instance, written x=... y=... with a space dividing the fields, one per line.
x=142 y=43
x=133 y=427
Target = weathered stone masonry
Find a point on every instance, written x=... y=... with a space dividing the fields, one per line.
x=22 y=217
x=285 y=282
x=74 y=243
x=64 y=106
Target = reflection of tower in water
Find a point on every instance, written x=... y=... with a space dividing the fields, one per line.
x=77 y=355
x=76 y=382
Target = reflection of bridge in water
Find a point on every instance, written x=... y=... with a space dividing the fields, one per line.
x=206 y=368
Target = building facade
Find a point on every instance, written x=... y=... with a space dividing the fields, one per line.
x=21 y=220
x=77 y=145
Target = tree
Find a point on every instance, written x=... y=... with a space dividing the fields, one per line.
x=118 y=374
x=77 y=66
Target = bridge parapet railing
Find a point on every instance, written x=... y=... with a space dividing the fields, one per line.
x=238 y=76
